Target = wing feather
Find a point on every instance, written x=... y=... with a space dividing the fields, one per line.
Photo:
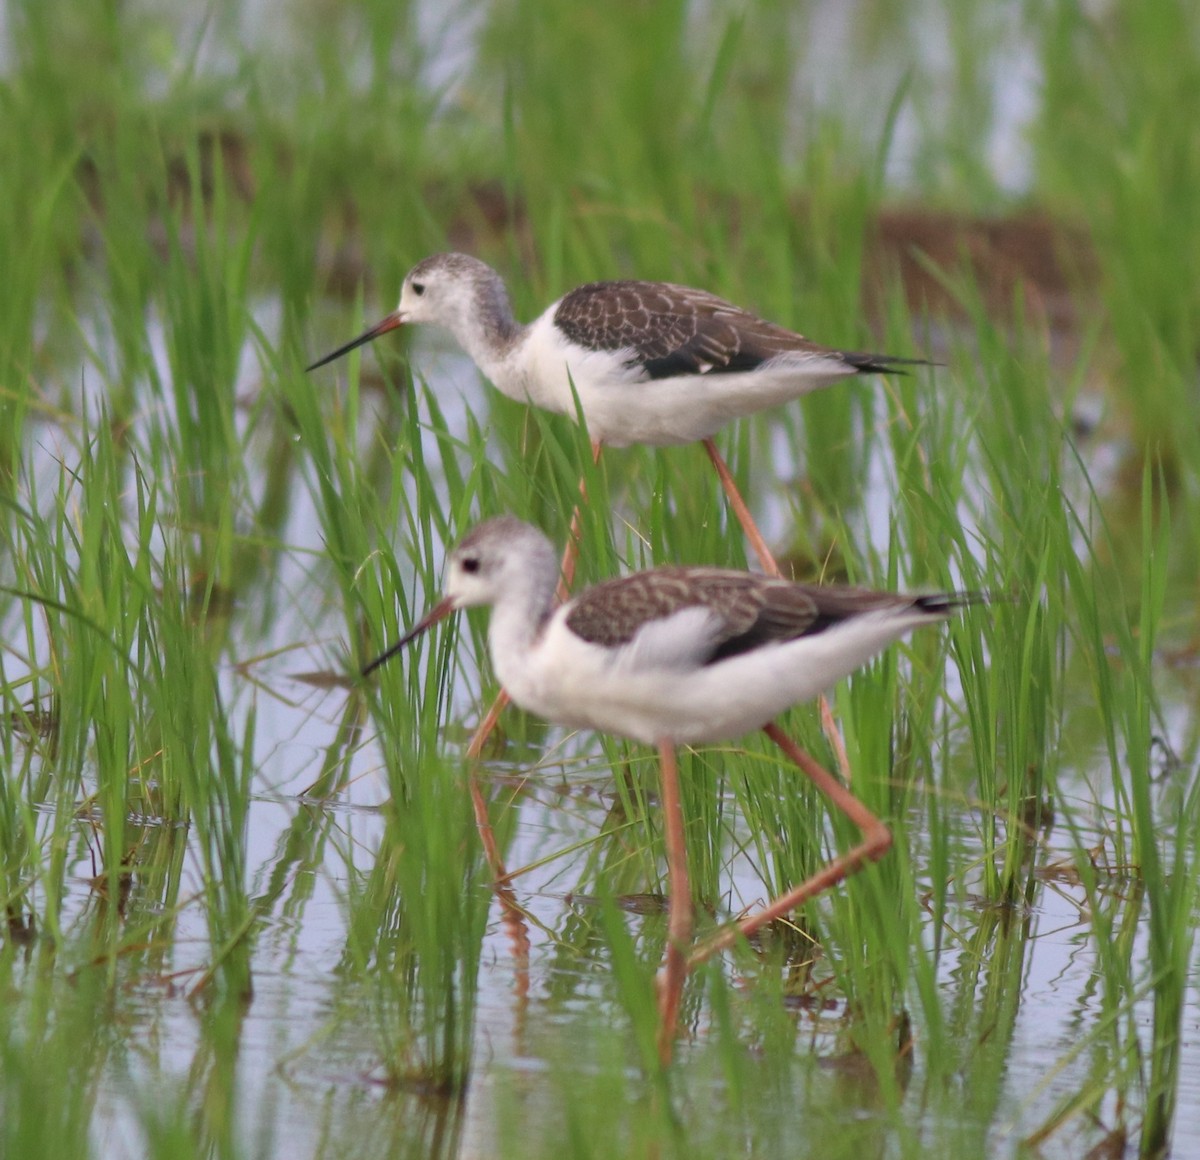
x=674 y=330
x=745 y=611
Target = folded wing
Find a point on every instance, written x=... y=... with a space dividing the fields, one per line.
x=698 y=616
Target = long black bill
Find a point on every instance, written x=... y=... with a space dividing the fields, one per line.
x=392 y=321
x=438 y=612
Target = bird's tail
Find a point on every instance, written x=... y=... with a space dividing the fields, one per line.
x=884 y=364
x=944 y=603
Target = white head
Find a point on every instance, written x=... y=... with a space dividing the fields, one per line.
x=451 y=290
x=456 y=291
x=498 y=557
x=501 y=561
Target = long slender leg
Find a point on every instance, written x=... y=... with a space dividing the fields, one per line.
x=742 y=511
x=833 y=735
x=478 y=804
x=877 y=840
x=571 y=552
x=511 y=914
x=769 y=565
x=679 y=921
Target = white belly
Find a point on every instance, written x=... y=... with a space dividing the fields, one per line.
x=573 y=683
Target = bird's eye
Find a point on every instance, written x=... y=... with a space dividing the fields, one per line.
x=471 y=565
x=418 y=288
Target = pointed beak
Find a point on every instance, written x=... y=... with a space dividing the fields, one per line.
x=392 y=321
x=439 y=611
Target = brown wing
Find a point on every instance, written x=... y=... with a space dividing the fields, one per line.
x=788 y=611
x=674 y=330
x=749 y=611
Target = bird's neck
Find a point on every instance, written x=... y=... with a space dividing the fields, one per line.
x=489 y=333
x=517 y=623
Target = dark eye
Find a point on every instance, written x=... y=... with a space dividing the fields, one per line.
x=471 y=565
x=418 y=288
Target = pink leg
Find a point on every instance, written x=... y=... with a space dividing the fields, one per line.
x=742 y=511
x=679 y=924
x=877 y=840
x=512 y=916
